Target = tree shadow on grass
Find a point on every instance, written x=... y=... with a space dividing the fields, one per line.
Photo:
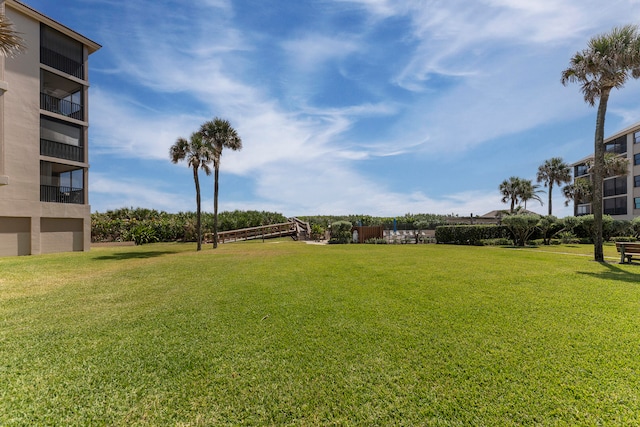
x=616 y=273
x=132 y=255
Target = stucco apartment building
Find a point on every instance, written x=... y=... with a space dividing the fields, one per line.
x=621 y=194
x=44 y=162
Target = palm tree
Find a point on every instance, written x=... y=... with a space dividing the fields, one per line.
x=529 y=191
x=510 y=190
x=578 y=192
x=198 y=156
x=614 y=165
x=608 y=61
x=218 y=134
x=10 y=41
x=553 y=171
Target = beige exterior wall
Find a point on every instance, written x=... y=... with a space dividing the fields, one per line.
x=27 y=225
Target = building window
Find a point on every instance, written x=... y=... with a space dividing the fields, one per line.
x=636 y=203
x=61 y=52
x=636 y=181
x=615 y=186
x=583 y=210
x=636 y=159
x=580 y=170
x=61 y=96
x=618 y=145
x=615 y=206
x=636 y=137
x=60 y=139
x=61 y=183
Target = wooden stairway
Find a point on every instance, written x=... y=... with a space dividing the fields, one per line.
x=297 y=229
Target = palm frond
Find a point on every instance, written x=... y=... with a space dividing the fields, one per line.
x=11 y=43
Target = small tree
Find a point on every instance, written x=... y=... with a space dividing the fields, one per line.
x=340 y=232
x=521 y=226
x=549 y=226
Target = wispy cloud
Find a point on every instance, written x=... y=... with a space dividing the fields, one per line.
x=470 y=72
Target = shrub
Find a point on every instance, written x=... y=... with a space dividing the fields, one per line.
x=317 y=232
x=340 y=232
x=502 y=241
x=624 y=239
x=376 y=241
x=469 y=234
x=586 y=227
x=521 y=226
x=144 y=233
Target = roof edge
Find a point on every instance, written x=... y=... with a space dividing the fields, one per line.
x=38 y=16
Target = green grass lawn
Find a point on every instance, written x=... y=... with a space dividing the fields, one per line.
x=284 y=333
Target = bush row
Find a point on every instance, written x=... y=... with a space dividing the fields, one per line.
x=470 y=234
x=148 y=225
x=520 y=229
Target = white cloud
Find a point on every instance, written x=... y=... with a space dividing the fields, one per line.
x=500 y=60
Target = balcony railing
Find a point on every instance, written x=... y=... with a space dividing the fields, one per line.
x=52 y=193
x=60 y=62
x=61 y=151
x=61 y=106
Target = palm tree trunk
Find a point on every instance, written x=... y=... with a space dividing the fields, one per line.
x=550 y=190
x=598 y=169
x=198 y=217
x=216 y=169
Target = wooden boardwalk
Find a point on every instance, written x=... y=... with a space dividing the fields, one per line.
x=297 y=229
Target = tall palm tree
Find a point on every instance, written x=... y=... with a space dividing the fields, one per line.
x=198 y=156
x=529 y=191
x=510 y=190
x=607 y=62
x=218 y=134
x=10 y=41
x=551 y=172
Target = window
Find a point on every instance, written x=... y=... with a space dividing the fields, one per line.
x=636 y=159
x=583 y=210
x=60 y=95
x=61 y=52
x=636 y=181
x=60 y=139
x=615 y=186
x=636 y=137
x=615 y=206
x=580 y=170
x=636 y=203
x=61 y=183
x=618 y=145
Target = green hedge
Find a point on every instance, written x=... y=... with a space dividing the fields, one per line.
x=148 y=225
x=470 y=234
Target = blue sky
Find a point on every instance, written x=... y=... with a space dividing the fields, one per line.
x=379 y=107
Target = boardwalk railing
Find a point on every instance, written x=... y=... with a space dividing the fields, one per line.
x=295 y=228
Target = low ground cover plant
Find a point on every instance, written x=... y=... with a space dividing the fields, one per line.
x=285 y=333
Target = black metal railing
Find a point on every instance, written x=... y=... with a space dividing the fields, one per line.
x=61 y=106
x=52 y=193
x=60 y=62
x=61 y=151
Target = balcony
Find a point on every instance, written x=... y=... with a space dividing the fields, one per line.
x=52 y=193
x=61 y=106
x=61 y=151
x=61 y=52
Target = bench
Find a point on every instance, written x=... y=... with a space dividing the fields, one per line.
x=627 y=250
